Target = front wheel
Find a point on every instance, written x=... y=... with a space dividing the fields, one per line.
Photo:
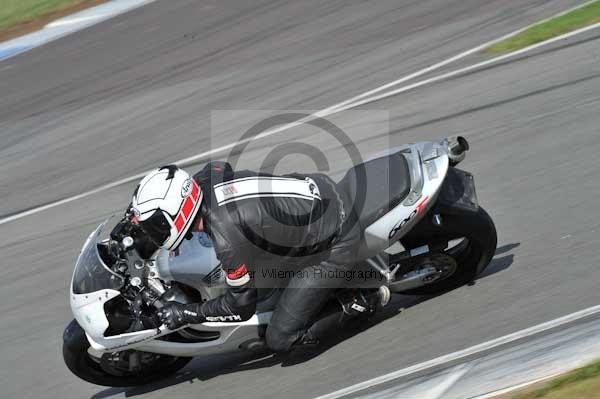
x=477 y=240
x=118 y=369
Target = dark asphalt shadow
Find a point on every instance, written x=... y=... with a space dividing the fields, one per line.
x=499 y=264
x=198 y=370
x=207 y=367
x=506 y=248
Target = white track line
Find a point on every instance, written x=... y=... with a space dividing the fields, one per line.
x=471 y=67
x=342 y=106
x=474 y=350
x=67 y=21
x=69 y=25
x=439 y=391
x=453 y=59
x=71 y=199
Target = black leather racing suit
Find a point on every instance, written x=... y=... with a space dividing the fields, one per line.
x=266 y=223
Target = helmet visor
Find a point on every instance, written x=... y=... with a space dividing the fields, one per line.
x=157 y=227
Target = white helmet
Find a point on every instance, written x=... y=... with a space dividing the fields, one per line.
x=165 y=204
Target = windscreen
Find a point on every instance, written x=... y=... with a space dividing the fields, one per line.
x=91 y=274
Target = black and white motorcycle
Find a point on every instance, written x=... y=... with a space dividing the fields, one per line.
x=424 y=233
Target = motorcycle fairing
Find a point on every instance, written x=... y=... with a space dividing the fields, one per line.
x=92 y=285
x=428 y=164
x=232 y=335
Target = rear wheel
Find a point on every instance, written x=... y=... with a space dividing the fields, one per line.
x=118 y=369
x=472 y=237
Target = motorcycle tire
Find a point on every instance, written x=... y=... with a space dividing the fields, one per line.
x=81 y=363
x=472 y=255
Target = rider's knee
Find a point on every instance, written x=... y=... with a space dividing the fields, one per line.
x=279 y=341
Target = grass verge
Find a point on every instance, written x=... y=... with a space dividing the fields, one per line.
x=576 y=19
x=583 y=383
x=18 y=17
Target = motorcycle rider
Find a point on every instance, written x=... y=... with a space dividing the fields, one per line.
x=257 y=221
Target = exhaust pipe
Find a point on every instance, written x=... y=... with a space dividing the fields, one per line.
x=457 y=147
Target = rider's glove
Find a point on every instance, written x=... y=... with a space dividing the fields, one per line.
x=175 y=315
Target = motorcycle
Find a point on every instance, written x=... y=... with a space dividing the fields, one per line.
x=412 y=198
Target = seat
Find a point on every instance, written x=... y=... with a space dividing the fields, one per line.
x=376 y=186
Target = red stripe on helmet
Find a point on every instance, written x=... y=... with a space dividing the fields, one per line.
x=179 y=222
x=184 y=213
x=187 y=208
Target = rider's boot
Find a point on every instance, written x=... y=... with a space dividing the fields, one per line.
x=362 y=302
x=357 y=305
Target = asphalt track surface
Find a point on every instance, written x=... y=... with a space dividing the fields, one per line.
x=137 y=91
